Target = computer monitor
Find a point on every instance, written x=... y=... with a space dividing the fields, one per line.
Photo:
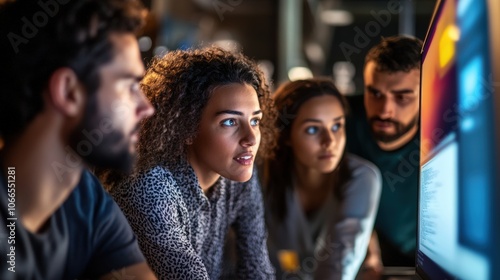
x=458 y=210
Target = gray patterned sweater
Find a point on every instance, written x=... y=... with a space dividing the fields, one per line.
x=181 y=230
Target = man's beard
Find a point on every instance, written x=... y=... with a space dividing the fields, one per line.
x=106 y=150
x=399 y=127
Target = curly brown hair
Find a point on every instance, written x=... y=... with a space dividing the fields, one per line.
x=179 y=86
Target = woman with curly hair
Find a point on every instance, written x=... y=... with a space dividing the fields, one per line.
x=194 y=174
x=320 y=202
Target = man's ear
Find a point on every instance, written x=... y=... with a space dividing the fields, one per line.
x=66 y=93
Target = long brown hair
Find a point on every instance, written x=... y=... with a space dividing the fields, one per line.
x=276 y=172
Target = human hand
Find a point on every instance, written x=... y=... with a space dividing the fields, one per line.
x=372 y=268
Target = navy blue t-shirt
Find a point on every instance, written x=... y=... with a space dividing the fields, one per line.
x=87 y=237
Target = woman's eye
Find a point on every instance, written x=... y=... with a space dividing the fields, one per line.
x=228 y=122
x=312 y=130
x=255 y=122
x=336 y=127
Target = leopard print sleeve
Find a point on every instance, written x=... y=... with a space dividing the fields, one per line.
x=156 y=211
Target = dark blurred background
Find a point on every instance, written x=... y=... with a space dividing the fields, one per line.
x=291 y=39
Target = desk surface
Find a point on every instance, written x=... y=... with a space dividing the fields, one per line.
x=398 y=273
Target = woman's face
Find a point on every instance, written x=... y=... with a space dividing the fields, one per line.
x=228 y=136
x=317 y=136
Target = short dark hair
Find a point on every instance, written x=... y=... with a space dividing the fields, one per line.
x=179 y=85
x=38 y=37
x=396 y=53
x=276 y=172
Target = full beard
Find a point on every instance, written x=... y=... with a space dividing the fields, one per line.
x=101 y=149
x=400 y=128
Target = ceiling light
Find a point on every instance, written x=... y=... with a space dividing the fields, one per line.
x=299 y=73
x=336 y=17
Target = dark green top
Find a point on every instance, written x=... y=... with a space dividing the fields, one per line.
x=396 y=221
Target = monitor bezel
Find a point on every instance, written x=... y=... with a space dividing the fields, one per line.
x=419 y=272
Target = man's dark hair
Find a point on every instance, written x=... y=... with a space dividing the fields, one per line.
x=39 y=37
x=397 y=53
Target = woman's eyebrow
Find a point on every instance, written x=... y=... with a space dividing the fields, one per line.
x=233 y=112
x=319 y=121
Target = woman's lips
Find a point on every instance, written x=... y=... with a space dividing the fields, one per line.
x=326 y=156
x=244 y=159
